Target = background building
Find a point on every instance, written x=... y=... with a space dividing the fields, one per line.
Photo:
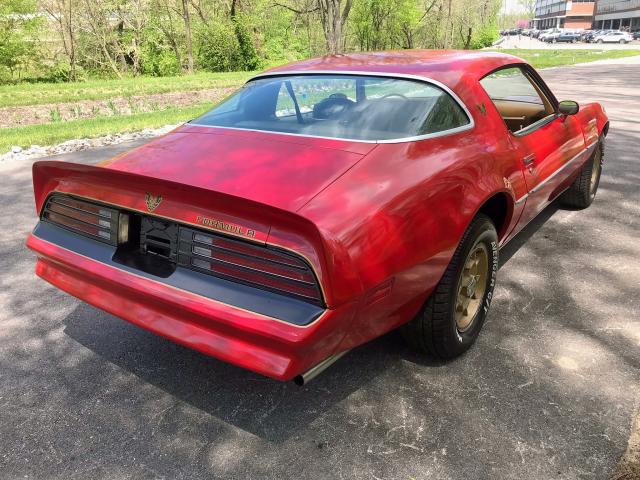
x=618 y=14
x=565 y=13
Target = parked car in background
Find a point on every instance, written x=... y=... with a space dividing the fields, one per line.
x=614 y=37
x=566 y=37
x=545 y=33
x=555 y=33
x=552 y=37
x=636 y=35
x=598 y=33
x=534 y=33
x=587 y=35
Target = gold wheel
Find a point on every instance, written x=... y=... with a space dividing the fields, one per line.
x=472 y=286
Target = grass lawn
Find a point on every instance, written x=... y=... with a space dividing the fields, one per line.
x=54 y=133
x=40 y=93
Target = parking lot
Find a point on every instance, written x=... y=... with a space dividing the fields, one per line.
x=524 y=42
x=549 y=391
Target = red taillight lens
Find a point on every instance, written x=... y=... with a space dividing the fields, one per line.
x=96 y=221
x=235 y=260
x=256 y=265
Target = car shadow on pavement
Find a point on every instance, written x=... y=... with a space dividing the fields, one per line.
x=523 y=236
x=267 y=408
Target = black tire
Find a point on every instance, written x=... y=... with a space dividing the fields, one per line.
x=434 y=329
x=584 y=188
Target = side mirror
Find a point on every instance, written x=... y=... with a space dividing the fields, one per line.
x=568 y=107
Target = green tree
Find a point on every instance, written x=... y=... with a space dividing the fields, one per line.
x=217 y=47
x=166 y=37
x=245 y=41
x=19 y=28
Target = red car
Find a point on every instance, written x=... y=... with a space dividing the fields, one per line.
x=324 y=204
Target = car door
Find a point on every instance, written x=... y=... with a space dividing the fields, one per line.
x=543 y=142
x=546 y=154
x=612 y=37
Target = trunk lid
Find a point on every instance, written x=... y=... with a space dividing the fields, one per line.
x=277 y=170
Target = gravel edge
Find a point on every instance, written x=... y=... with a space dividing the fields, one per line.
x=34 y=151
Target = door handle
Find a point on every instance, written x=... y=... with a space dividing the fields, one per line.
x=528 y=160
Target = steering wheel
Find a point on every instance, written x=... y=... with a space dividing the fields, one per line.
x=331 y=107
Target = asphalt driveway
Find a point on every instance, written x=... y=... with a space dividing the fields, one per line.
x=549 y=391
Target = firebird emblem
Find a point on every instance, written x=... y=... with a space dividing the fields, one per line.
x=152 y=201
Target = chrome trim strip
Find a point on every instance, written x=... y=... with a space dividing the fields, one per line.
x=235 y=252
x=58 y=200
x=444 y=133
x=554 y=174
x=535 y=125
x=82 y=222
x=463 y=128
x=521 y=199
x=209 y=259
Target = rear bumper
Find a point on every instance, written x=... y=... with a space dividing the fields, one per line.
x=251 y=340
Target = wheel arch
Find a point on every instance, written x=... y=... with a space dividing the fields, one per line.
x=499 y=208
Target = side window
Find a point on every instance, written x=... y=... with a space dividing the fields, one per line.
x=430 y=108
x=519 y=101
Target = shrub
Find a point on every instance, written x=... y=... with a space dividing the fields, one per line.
x=60 y=72
x=484 y=37
x=217 y=48
x=157 y=58
x=248 y=51
x=19 y=44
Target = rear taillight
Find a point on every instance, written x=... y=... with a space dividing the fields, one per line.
x=251 y=264
x=96 y=221
x=157 y=246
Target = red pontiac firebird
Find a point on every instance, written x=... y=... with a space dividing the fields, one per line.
x=325 y=203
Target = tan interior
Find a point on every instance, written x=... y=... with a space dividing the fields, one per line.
x=518 y=97
x=518 y=115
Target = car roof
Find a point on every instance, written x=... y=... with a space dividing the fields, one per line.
x=449 y=67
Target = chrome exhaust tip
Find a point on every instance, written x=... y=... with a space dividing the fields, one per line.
x=316 y=370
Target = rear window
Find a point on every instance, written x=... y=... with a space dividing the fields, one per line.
x=365 y=108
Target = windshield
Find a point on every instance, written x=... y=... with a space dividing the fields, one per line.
x=339 y=106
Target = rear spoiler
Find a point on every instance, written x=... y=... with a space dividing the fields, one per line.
x=186 y=204
x=198 y=206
